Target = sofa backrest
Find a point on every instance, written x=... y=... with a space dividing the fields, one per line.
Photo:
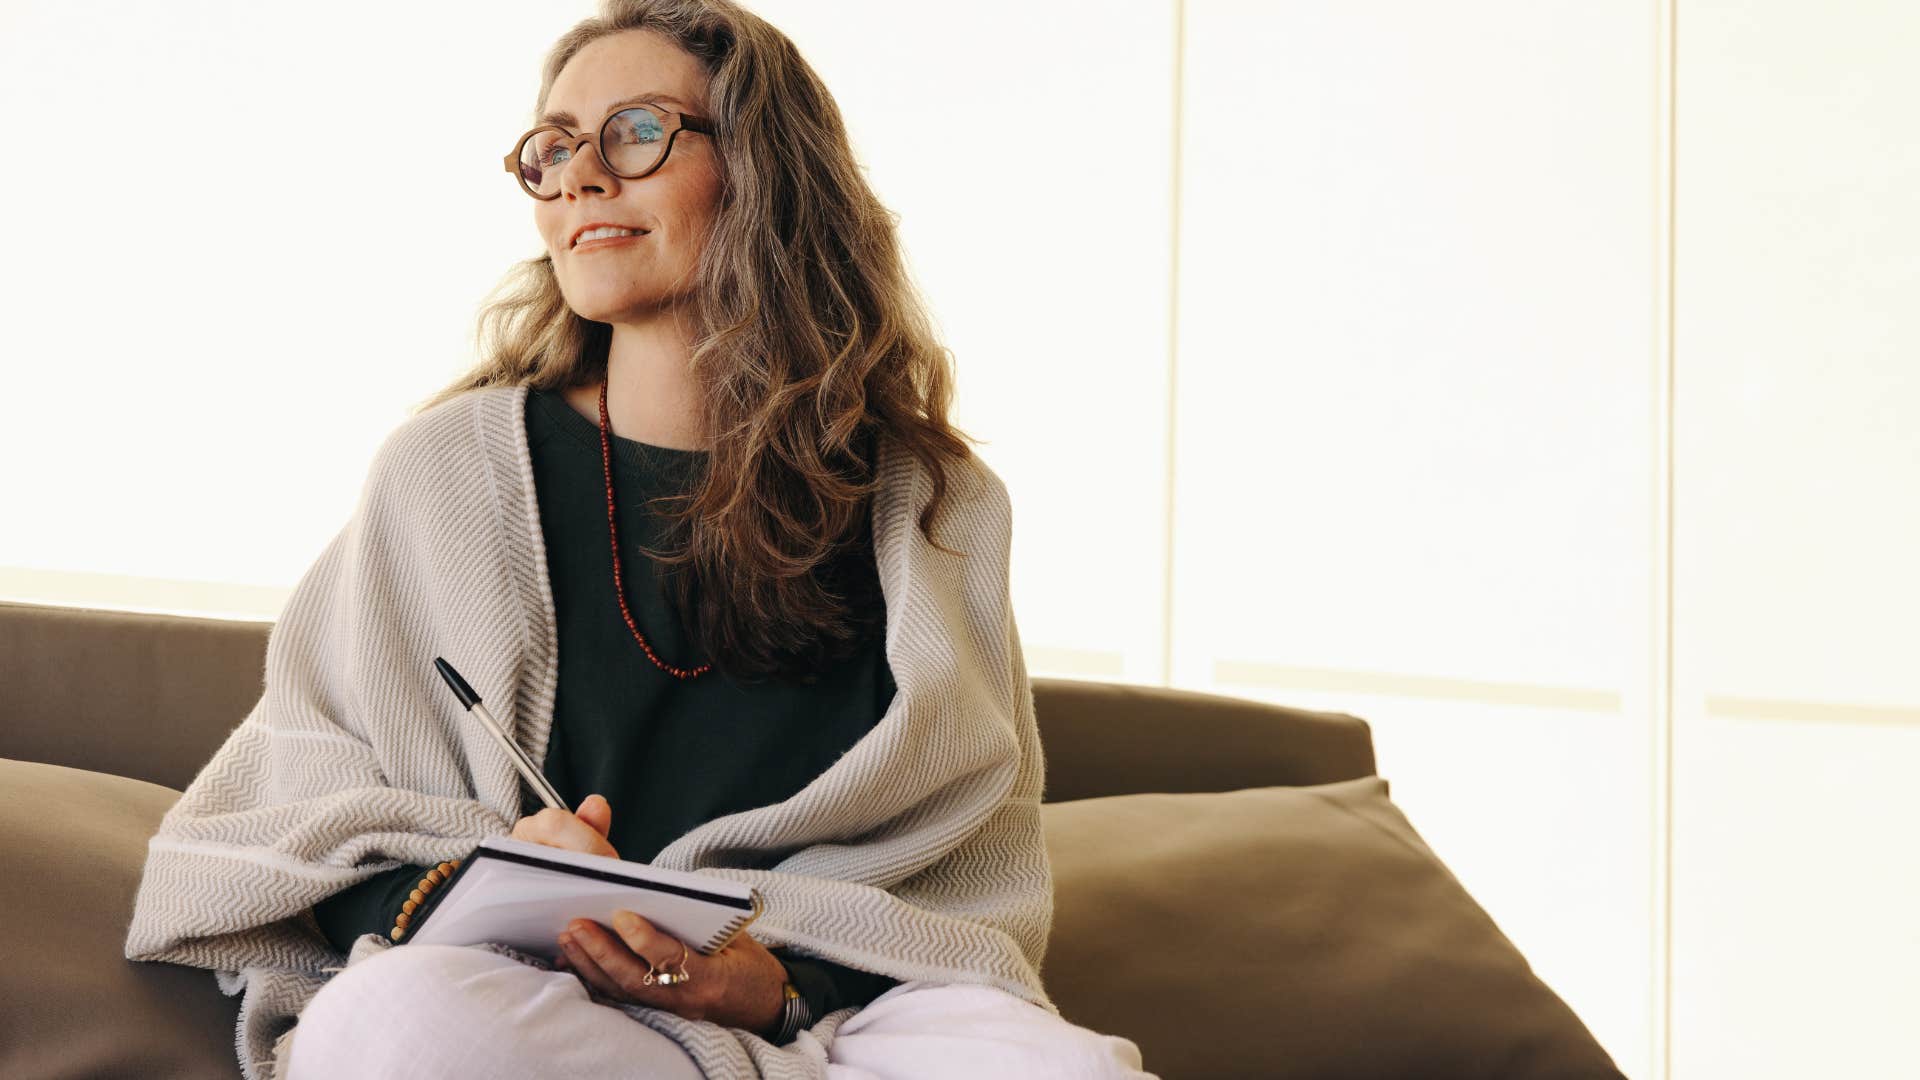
x=153 y=696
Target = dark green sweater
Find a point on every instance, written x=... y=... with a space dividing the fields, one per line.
x=667 y=754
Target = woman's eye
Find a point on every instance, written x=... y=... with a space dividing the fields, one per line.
x=644 y=128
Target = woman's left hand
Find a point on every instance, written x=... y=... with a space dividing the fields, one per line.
x=739 y=986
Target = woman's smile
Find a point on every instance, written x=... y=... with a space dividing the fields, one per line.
x=609 y=241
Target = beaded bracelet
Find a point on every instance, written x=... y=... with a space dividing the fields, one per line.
x=419 y=896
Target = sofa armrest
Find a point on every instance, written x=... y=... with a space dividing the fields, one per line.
x=153 y=696
x=123 y=692
x=1104 y=738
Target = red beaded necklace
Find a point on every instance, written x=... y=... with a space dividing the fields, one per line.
x=613 y=531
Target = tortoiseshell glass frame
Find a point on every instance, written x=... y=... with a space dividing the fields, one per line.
x=673 y=122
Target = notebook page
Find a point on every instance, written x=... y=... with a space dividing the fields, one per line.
x=526 y=906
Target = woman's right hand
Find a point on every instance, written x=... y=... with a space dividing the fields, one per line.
x=584 y=830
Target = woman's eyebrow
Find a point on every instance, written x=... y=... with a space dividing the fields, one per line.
x=561 y=116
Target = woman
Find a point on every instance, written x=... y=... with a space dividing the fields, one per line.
x=718 y=359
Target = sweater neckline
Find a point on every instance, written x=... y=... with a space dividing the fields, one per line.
x=629 y=452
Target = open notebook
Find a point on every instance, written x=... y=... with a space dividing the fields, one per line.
x=523 y=894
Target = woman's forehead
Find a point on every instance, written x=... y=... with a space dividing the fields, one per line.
x=623 y=68
x=655 y=97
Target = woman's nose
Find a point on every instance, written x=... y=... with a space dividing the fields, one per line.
x=578 y=171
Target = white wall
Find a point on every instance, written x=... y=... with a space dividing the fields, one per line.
x=1796 y=903
x=199 y=366
x=1530 y=379
x=1415 y=448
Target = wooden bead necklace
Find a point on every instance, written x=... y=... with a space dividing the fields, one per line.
x=613 y=530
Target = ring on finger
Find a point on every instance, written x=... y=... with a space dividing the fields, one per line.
x=670 y=978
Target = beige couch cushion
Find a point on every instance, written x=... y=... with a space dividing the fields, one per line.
x=71 y=1003
x=1274 y=932
x=1290 y=932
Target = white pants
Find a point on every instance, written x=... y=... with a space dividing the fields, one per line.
x=456 y=1011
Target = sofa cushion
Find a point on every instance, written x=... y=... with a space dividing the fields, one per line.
x=1290 y=932
x=71 y=1003
x=1269 y=931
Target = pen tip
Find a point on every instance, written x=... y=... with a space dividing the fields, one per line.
x=460 y=688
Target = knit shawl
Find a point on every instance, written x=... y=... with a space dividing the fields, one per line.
x=918 y=854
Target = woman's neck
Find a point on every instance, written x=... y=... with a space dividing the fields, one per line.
x=651 y=395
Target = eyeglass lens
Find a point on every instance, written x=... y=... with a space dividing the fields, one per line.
x=630 y=142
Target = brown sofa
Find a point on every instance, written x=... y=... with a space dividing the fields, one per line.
x=1234 y=890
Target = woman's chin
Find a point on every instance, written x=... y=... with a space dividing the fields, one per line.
x=608 y=309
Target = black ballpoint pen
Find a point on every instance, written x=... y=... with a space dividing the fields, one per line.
x=471 y=700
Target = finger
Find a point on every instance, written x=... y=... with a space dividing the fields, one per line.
x=597 y=813
x=588 y=970
x=558 y=828
x=650 y=941
x=668 y=953
x=570 y=830
x=582 y=834
x=618 y=960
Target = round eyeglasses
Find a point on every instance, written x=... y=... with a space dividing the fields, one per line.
x=632 y=143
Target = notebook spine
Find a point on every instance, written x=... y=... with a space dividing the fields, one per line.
x=432 y=902
x=724 y=936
